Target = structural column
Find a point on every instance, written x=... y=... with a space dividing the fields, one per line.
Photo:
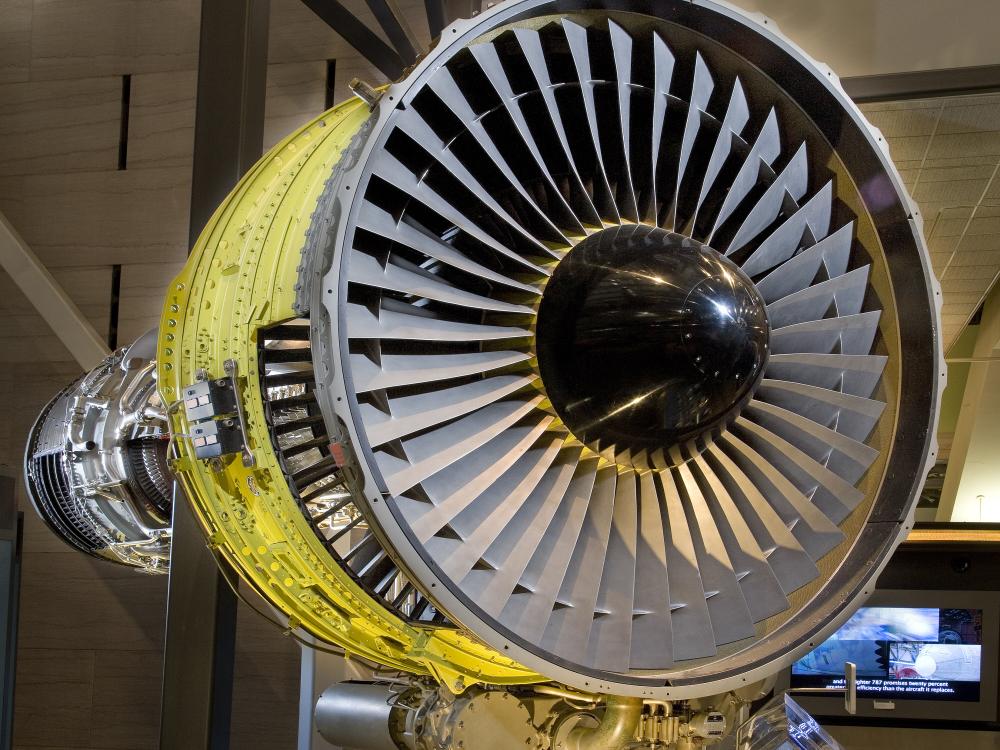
x=201 y=608
x=971 y=490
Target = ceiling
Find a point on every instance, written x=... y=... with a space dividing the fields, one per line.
x=948 y=153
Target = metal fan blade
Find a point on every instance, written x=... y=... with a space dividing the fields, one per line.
x=395 y=173
x=832 y=252
x=842 y=295
x=849 y=334
x=816 y=532
x=854 y=374
x=652 y=626
x=737 y=115
x=573 y=613
x=810 y=223
x=844 y=456
x=663 y=64
x=691 y=621
x=786 y=555
x=411 y=414
x=621 y=46
x=760 y=587
x=701 y=92
x=414 y=281
x=431 y=452
x=829 y=492
x=378 y=221
x=610 y=642
x=486 y=56
x=731 y=619
x=791 y=183
x=482 y=521
x=576 y=37
x=850 y=415
x=458 y=482
x=529 y=612
x=397 y=370
x=511 y=551
x=394 y=324
x=531 y=45
x=414 y=126
x=765 y=150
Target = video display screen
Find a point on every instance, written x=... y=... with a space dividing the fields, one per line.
x=918 y=653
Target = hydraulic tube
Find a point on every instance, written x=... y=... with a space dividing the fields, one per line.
x=616 y=730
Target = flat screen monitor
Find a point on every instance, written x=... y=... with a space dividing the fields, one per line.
x=926 y=655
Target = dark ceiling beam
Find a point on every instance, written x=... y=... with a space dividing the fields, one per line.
x=455 y=9
x=393 y=23
x=923 y=84
x=435 y=16
x=365 y=41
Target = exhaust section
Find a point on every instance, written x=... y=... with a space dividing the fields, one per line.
x=96 y=462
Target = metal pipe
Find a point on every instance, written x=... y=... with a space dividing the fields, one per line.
x=356 y=715
x=667 y=706
x=616 y=730
x=566 y=693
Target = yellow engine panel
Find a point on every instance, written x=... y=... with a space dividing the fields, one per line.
x=241 y=278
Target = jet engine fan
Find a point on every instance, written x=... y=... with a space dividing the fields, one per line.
x=609 y=309
x=600 y=349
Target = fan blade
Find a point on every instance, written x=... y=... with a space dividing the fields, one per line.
x=434 y=451
x=391 y=324
x=790 y=184
x=731 y=619
x=853 y=374
x=701 y=92
x=807 y=225
x=413 y=413
x=737 y=115
x=531 y=45
x=762 y=154
x=833 y=252
x=663 y=63
x=568 y=629
x=849 y=415
x=652 y=631
x=529 y=613
x=848 y=334
x=610 y=642
x=576 y=37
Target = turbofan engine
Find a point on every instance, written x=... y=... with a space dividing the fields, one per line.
x=597 y=356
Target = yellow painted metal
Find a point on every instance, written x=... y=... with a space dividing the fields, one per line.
x=241 y=278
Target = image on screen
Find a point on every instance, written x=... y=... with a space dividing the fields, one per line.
x=918 y=653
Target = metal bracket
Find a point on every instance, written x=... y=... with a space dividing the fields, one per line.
x=365 y=91
x=209 y=405
x=232 y=370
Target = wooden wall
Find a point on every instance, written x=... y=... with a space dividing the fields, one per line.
x=91 y=634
